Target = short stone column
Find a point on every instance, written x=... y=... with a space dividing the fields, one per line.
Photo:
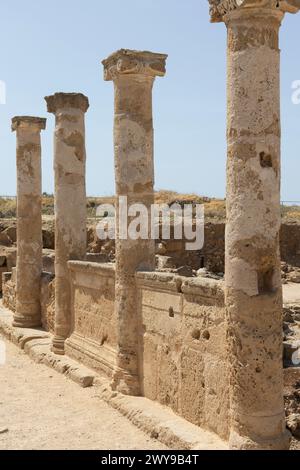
x=252 y=272
x=70 y=201
x=133 y=74
x=29 y=221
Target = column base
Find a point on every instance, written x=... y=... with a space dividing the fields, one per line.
x=26 y=321
x=125 y=383
x=58 y=346
x=238 y=442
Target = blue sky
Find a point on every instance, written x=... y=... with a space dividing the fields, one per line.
x=58 y=45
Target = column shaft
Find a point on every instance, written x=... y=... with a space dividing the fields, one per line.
x=134 y=170
x=133 y=74
x=70 y=202
x=253 y=280
x=29 y=221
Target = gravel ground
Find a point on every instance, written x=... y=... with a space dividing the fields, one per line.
x=43 y=410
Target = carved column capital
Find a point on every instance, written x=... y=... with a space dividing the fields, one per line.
x=65 y=101
x=129 y=62
x=219 y=9
x=28 y=122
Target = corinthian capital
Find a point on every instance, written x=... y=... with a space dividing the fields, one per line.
x=219 y=8
x=126 y=62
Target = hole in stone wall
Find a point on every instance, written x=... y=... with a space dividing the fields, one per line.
x=265 y=281
x=265 y=160
x=202 y=262
x=206 y=335
x=171 y=312
x=196 y=334
x=104 y=340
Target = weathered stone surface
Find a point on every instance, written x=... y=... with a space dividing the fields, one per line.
x=165 y=262
x=94 y=338
x=220 y=9
x=129 y=62
x=183 y=364
x=252 y=259
x=11 y=232
x=186 y=271
x=48 y=301
x=4 y=239
x=70 y=201
x=29 y=220
x=292 y=399
x=133 y=74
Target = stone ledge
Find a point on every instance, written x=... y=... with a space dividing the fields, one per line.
x=107 y=269
x=154 y=419
x=159 y=281
x=159 y=421
x=18 y=336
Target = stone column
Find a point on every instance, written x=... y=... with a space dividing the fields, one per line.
x=70 y=201
x=253 y=280
x=133 y=74
x=29 y=221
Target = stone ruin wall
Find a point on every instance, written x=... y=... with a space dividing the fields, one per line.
x=156 y=334
x=182 y=336
x=183 y=347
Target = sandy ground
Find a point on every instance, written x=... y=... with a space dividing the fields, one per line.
x=44 y=410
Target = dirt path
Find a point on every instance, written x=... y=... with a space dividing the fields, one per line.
x=44 y=410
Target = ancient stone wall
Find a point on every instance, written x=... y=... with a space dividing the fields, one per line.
x=183 y=347
x=94 y=328
x=212 y=254
x=48 y=301
x=214 y=245
x=290 y=244
x=182 y=338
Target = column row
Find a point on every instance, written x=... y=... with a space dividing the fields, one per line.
x=133 y=74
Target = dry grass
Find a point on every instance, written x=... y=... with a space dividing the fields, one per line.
x=290 y=213
x=7 y=208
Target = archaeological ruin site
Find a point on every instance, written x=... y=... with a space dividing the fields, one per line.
x=199 y=349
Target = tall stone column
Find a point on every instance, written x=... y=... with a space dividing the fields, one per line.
x=70 y=201
x=29 y=220
x=133 y=74
x=253 y=280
